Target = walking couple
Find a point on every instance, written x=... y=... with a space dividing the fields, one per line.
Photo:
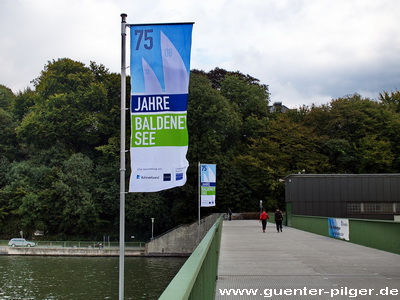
x=278 y=219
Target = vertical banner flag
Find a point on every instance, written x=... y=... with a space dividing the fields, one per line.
x=208 y=178
x=160 y=67
x=339 y=228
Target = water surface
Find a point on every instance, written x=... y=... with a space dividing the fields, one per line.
x=75 y=278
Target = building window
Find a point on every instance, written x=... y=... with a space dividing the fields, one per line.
x=378 y=208
x=373 y=208
x=354 y=208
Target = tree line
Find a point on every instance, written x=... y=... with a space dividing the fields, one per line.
x=59 y=150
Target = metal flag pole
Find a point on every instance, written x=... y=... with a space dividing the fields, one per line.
x=122 y=162
x=198 y=227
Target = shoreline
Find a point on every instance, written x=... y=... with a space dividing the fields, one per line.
x=85 y=252
x=39 y=251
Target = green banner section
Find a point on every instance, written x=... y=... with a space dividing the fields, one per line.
x=155 y=130
x=208 y=190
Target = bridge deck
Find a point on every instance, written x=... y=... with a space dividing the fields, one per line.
x=299 y=265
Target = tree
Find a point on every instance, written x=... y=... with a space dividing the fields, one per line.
x=25 y=197
x=23 y=102
x=8 y=139
x=214 y=128
x=391 y=100
x=6 y=97
x=59 y=149
x=8 y=142
x=342 y=155
x=74 y=190
x=213 y=124
x=354 y=125
x=376 y=155
x=286 y=147
x=139 y=211
x=71 y=107
x=250 y=101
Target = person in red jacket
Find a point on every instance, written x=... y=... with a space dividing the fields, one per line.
x=263 y=218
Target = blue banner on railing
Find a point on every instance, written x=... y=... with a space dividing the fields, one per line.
x=339 y=228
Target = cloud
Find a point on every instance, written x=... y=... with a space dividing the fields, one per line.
x=307 y=51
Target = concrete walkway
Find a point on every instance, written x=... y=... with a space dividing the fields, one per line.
x=299 y=265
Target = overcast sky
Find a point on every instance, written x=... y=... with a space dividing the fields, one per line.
x=307 y=51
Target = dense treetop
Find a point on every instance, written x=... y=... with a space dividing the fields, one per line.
x=59 y=150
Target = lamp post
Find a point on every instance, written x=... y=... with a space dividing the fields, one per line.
x=152 y=228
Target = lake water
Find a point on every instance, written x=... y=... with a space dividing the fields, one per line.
x=75 y=278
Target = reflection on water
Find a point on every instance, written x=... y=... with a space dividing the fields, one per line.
x=41 y=278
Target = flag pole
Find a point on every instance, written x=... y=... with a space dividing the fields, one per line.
x=199 y=204
x=122 y=162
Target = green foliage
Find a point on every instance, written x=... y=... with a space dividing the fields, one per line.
x=23 y=102
x=140 y=209
x=6 y=97
x=392 y=100
x=357 y=128
x=212 y=122
x=8 y=140
x=59 y=150
x=72 y=106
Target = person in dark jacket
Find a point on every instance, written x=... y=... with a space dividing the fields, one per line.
x=278 y=219
x=263 y=218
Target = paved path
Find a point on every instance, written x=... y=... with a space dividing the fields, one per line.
x=299 y=265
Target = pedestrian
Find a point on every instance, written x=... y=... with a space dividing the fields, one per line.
x=263 y=218
x=230 y=214
x=278 y=219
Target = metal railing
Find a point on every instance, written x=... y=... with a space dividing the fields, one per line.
x=378 y=234
x=196 y=279
x=83 y=244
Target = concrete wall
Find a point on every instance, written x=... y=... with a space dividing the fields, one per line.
x=67 y=251
x=181 y=240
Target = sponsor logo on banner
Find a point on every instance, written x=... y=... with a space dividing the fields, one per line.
x=208 y=177
x=160 y=66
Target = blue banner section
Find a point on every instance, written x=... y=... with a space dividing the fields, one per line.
x=208 y=184
x=151 y=47
x=333 y=228
x=158 y=103
x=208 y=173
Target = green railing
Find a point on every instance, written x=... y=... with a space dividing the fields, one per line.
x=196 y=280
x=378 y=234
x=318 y=225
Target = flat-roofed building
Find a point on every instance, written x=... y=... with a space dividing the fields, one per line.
x=368 y=196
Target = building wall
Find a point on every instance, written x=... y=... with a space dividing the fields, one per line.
x=372 y=196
